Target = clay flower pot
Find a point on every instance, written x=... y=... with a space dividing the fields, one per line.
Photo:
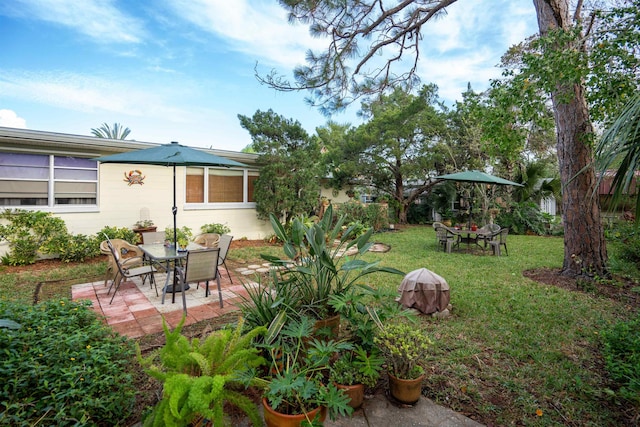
x=276 y=419
x=355 y=393
x=405 y=391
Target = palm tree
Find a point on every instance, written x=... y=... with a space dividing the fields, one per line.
x=537 y=182
x=620 y=146
x=117 y=132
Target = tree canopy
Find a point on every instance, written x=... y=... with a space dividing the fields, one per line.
x=288 y=184
x=108 y=132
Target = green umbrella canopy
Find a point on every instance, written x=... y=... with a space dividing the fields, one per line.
x=172 y=154
x=478 y=177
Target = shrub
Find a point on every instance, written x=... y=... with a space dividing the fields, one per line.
x=376 y=216
x=75 y=247
x=621 y=349
x=123 y=233
x=628 y=234
x=522 y=218
x=352 y=211
x=419 y=213
x=28 y=232
x=61 y=366
x=215 y=228
x=371 y=215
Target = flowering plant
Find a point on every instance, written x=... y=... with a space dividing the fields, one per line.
x=403 y=347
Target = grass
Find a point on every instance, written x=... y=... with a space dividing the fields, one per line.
x=513 y=352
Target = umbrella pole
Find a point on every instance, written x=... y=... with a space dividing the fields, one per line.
x=174 y=210
x=473 y=189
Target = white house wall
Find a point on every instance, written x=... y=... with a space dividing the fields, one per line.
x=123 y=205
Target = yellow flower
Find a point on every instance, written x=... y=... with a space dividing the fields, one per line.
x=72 y=358
x=539 y=412
x=88 y=347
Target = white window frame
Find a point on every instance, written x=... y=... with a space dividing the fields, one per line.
x=51 y=206
x=245 y=204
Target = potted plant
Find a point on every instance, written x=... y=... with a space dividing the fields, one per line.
x=200 y=377
x=316 y=267
x=404 y=347
x=183 y=235
x=143 y=226
x=354 y=370
x=298 y=392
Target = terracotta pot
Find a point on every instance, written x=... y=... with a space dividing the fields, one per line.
x=405 y=391
x=355 y=393
x=332 y=323
x=275 y=419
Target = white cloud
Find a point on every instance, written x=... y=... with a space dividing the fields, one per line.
x=10 y=119
x=258 y=29
x=86 y=93
x=466 y=45
x=100 y=20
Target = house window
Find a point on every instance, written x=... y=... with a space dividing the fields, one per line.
x=47 y=180
x=221 y=185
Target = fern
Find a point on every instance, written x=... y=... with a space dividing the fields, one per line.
x=200 y=376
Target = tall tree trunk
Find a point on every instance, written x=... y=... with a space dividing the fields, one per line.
x=584 y=245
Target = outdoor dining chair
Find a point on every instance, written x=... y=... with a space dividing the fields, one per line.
x=200 y=266
x=153 y=237
x=130 y=255
x=491 y=231
x=208 y=240
x=435 y=225
x=445 y=238
x=224 y=244
x=500 y=240
x=127 y=272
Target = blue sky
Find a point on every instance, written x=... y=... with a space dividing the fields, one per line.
x=182 y=70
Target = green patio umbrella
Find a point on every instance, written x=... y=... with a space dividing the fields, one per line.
x=173 y=155
x=476 y=177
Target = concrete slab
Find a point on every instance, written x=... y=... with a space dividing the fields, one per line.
x=378 y=411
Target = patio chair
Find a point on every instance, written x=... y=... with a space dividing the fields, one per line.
x=224 y=244
x=435 y=225
x=200 y=266
x=131 y=256
x=500 y=240
x=208 y=240
x=445 y=238
x=153 y=237
x=491 y=231
x=125 y=271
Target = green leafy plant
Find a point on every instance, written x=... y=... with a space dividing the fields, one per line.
x=621 y=352
x=263 y=304
x=200 y=377
x=298 y=384
x=123 y=233
x=143 y=223
x=75 y=247
x=182 y=234
x=523 y=217
x=29 y=232
x=215 y=228
x=62 y=366
x=362 y=307
x=315 y=266
x=404 y=347
x=356 y=366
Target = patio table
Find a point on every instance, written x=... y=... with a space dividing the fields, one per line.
x=158 y=253
x=469 y=236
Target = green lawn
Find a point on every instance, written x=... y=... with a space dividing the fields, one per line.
x=513 y=352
